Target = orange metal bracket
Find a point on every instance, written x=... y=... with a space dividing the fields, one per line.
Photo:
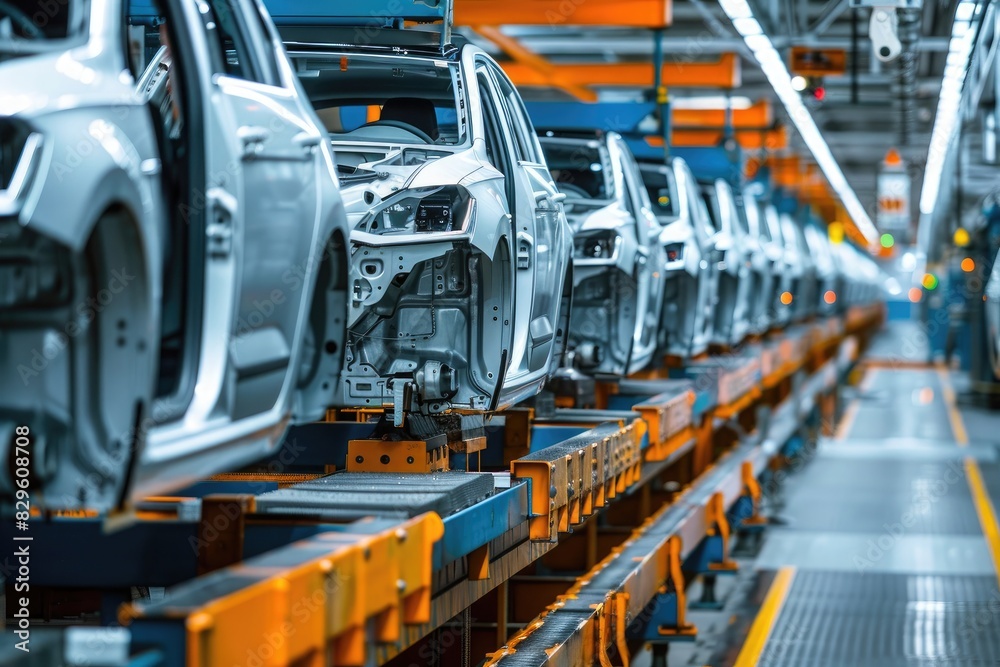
x=317 y=611
x=752 y=489
x=605 y=13
x=668 y=423
x=395 y=456
x=568 y=488
x=479 y=563
x=718 y=524
x=611 y=625
x=221 y=530
x=675 y=581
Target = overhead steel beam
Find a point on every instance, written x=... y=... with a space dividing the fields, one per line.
x=527 y=58
x=759 y=115
x=628 y=13
x=552 y=44
x=831 y=12
x=725 y=73
x=770 y=140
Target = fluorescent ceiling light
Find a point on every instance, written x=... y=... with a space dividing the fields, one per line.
x=748 y=26
x=736 y=9
x=781 y=81
x=704 y=102
x=949 y=103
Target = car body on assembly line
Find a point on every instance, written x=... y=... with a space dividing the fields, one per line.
x=761 y=278
x=173 y=266
x=804 y=295
x=460 y=250
x=618 y=262
x=737 y=280
x=828 y=275
x=788 y=267
x=769 y=260
x=687 y=238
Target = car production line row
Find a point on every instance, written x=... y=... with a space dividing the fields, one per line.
x=220 y=230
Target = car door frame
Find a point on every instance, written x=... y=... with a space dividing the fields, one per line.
x=526 y=226
x=274 y=140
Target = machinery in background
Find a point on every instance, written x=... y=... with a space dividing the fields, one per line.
x=991 y=308
x=133 y=274
x=618 y=261
x=980 y=288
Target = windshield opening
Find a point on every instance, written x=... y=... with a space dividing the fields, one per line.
x=580 y=170
x=662 y=190
x=30 y=21
x=386 y=100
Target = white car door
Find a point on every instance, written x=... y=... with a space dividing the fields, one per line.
x=269 y=190
x=535 y=216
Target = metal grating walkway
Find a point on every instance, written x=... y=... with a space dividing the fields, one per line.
x=883 y=539
x=885 y=620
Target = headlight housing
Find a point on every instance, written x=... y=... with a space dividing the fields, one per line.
x=20 y=149
x=439 y=210
x=602 y=244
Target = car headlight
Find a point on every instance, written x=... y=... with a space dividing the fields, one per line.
x=596 y=245
x=20 y=149
x=35 y=272
x=675 y=252
x=437 y=210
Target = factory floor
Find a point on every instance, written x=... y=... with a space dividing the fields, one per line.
x=884 y=548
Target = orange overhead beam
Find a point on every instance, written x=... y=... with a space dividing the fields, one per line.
x=757 y=116
x=748 y=139
x=725 y=73
x=786 y=171
x=611 y=13
x=538 y=64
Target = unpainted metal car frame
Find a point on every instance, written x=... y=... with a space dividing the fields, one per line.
x=761 y=279
x=686 y=235
x=768 y=261
x=618 y=260
x=460 y=250
x=173 y=266
x=804 y=298
x=737 y=281
x=828 y=275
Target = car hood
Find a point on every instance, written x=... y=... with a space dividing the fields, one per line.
x=54 y=80
x=675 y=230
x=397 y=170
x=588 y=214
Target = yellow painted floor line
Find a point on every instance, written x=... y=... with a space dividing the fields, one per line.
x=957 y=425
x=762 y=626
x=980 y=498
x=985 y=510
x=868 y=379
x=844 y=427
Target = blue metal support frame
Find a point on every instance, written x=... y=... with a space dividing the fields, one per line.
x=621 y=117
